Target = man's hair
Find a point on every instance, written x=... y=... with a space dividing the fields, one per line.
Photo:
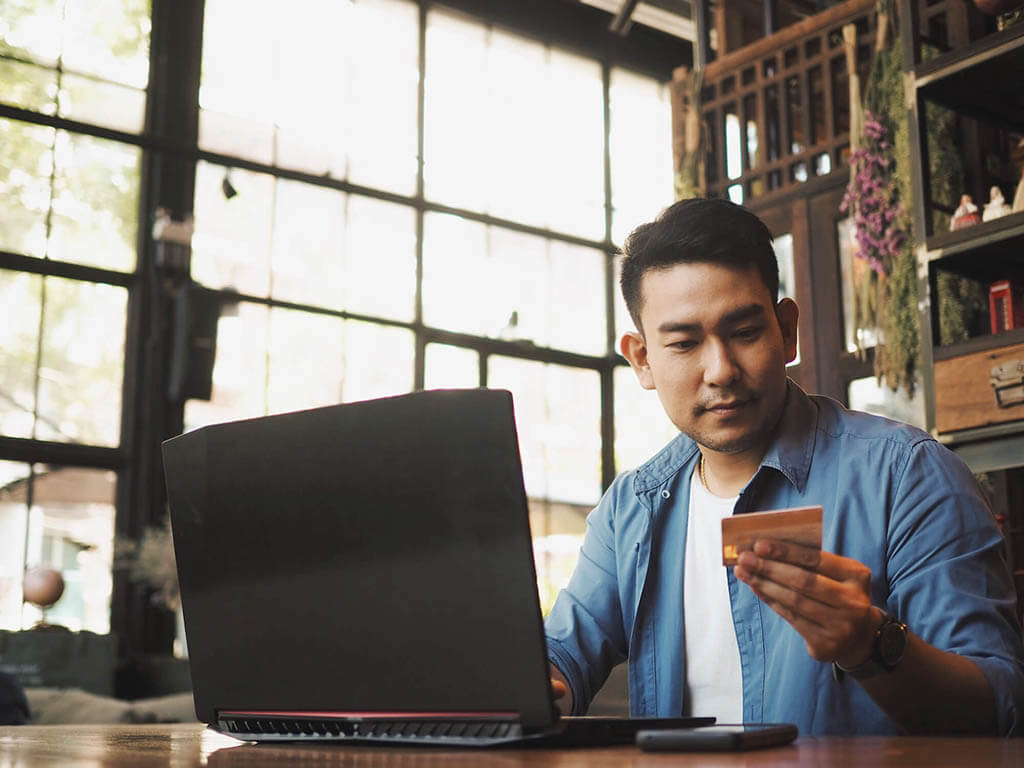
x=710 y=230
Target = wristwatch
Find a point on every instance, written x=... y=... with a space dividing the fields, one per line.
x=886 y=651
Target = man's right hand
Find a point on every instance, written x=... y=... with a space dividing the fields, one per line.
x=561 y=693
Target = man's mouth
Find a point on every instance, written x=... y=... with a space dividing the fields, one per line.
x=726 y=408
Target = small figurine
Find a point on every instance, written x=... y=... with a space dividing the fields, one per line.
x=966 y=214
x=996 y=205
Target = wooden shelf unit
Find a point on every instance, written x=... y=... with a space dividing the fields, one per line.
x=980 y=81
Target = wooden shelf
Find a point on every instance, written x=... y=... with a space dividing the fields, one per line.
x=979 y=344
x=1002 y=237
x=982 y=80
x=990 y=449
x=997 y=436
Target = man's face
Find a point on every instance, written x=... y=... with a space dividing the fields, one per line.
x=715 y=348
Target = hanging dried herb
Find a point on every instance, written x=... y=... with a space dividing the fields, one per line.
x=960 y=301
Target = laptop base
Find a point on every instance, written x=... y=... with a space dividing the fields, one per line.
x=444 y=732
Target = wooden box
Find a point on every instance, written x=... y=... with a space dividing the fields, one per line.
x=979 y=389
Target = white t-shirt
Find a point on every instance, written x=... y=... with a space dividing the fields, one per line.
x=714 y=680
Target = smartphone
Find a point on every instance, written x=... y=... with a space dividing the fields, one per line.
x=717 y=738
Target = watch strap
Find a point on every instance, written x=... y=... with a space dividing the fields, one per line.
x=875 y=663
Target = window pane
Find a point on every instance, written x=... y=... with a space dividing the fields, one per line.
x=576 y=299
x=733 y=142
x=231 y=243
x=868 y=395
x=32 y=29
x=557 y=531
x=305 y=360
x=536 y=113
x=318 y=360
x=108 y=104
x=451 y=367
x=28 y=86
x=71 y=528
x=378 y=361
x=558 y=417
x=574 y=150
x=95 y=202
x=108 y=38
x=336 y=96
x=21 y=297
x=858 y=321
x=456 y=163
x=380 y=259
x=495 y=282
x=239 y=371
x=642 y=427
x=82 y=363
x=13 y=518
x=276 y=360
x=308 y=244
x=343 y=251
x=26 y=164
x=641 y=150
x=783 y=245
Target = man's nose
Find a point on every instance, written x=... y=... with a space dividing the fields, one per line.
x=720 y=366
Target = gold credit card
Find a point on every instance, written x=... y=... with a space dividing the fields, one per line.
x=800 y=525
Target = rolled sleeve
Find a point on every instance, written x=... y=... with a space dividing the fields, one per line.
x=948 y=576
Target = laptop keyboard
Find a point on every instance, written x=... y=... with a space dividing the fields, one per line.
x=336 y=729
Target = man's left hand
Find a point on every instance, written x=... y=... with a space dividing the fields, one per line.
x=825 y=597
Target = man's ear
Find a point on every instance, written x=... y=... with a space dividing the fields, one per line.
x=634 y=349
x=788 y=314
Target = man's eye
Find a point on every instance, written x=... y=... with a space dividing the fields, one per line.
x=748 y=333
x=684 y=344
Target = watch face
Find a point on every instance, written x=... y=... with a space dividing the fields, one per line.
x=892 y=641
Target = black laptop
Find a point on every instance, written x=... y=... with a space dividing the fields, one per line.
x=364 y=573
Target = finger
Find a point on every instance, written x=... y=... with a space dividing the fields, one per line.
x=827 y=634
x=558 y=689
x=789 y=604
x=805 y=625
x=795 y=578
x=788 y=552
x=827 y=564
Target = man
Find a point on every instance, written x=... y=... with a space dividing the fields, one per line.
x=904 y=622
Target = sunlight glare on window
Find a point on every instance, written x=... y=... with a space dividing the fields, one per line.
x=328 y=88
x=641 y=150
x=512 y=128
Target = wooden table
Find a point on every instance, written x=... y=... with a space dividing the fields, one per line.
x=139 y=746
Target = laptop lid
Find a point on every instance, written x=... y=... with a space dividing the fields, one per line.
x=371 y=558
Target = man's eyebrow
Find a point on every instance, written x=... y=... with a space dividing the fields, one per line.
x=749 y=312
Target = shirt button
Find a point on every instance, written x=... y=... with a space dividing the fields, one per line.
x=665 y=494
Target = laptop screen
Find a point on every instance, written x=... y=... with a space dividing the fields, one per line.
x=366 y=557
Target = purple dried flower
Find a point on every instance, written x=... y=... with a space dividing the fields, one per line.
x=872 y=199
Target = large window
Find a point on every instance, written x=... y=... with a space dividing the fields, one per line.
x=388 y=195
x=68 y=244
x=360 y=272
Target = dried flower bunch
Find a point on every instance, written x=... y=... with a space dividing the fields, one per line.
x=872 y=198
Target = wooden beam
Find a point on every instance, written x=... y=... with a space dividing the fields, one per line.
x=735 y=60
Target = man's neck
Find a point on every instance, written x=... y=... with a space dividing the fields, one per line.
x=726 y=474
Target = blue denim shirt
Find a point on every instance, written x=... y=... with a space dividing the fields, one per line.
x=893 y=499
